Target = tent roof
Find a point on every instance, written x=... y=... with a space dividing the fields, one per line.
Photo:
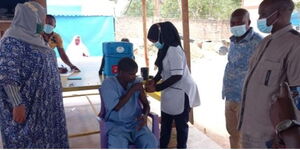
x=87 y=7
x=80 y=7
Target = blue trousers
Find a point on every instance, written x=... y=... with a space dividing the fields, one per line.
x=182 y=128
x=121 y=139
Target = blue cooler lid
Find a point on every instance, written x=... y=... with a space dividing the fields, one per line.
x=117 y=49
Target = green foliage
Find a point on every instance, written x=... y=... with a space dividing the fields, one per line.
x=204 y=9
x=135 y=8
x=297 y=6
x=216 y=9
x=170 y=9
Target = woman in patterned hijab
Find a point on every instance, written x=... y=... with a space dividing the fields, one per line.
x=31 y=107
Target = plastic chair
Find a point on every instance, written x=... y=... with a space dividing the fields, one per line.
x=103 y=131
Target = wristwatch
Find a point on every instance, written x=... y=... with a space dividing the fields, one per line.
x=286 y=124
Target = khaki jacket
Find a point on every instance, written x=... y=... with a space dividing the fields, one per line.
x=276 y=59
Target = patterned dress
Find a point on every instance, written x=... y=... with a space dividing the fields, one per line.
x=34 y=70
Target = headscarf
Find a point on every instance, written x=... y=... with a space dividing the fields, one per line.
x=76 y=51
x=24 y=25
x=169 y=36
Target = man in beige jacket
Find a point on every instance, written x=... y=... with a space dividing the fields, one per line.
x=275 y=61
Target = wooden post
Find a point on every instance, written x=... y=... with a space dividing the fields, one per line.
x=144 y=10
x=186 y=39
x=186 y=33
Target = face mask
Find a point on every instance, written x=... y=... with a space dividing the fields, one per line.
x=39 y=28
x=48 y=28
x=262 y=24
x=158 y=45
x=263 y=27
x=238 y=31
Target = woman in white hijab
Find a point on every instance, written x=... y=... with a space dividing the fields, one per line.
x=31 y=107
x=77 y=48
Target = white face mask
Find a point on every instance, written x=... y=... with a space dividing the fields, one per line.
x=238 y=31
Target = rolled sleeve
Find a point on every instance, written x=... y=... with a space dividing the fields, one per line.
x=176 y=61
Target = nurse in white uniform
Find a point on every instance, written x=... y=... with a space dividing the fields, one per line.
x=179 y=91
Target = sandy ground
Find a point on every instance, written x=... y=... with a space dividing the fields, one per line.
x=209 y=116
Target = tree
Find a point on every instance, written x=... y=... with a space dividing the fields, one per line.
x=215 y=9
x=204 y=9
x=297 y=5
x=170 y=9
x=135 y=8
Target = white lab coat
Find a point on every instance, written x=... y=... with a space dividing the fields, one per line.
x=172 y=98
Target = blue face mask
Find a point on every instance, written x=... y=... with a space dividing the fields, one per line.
x=158 y=45
x=238 y=31
x=262 y=24
x=263 y=27
x=48 y=28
